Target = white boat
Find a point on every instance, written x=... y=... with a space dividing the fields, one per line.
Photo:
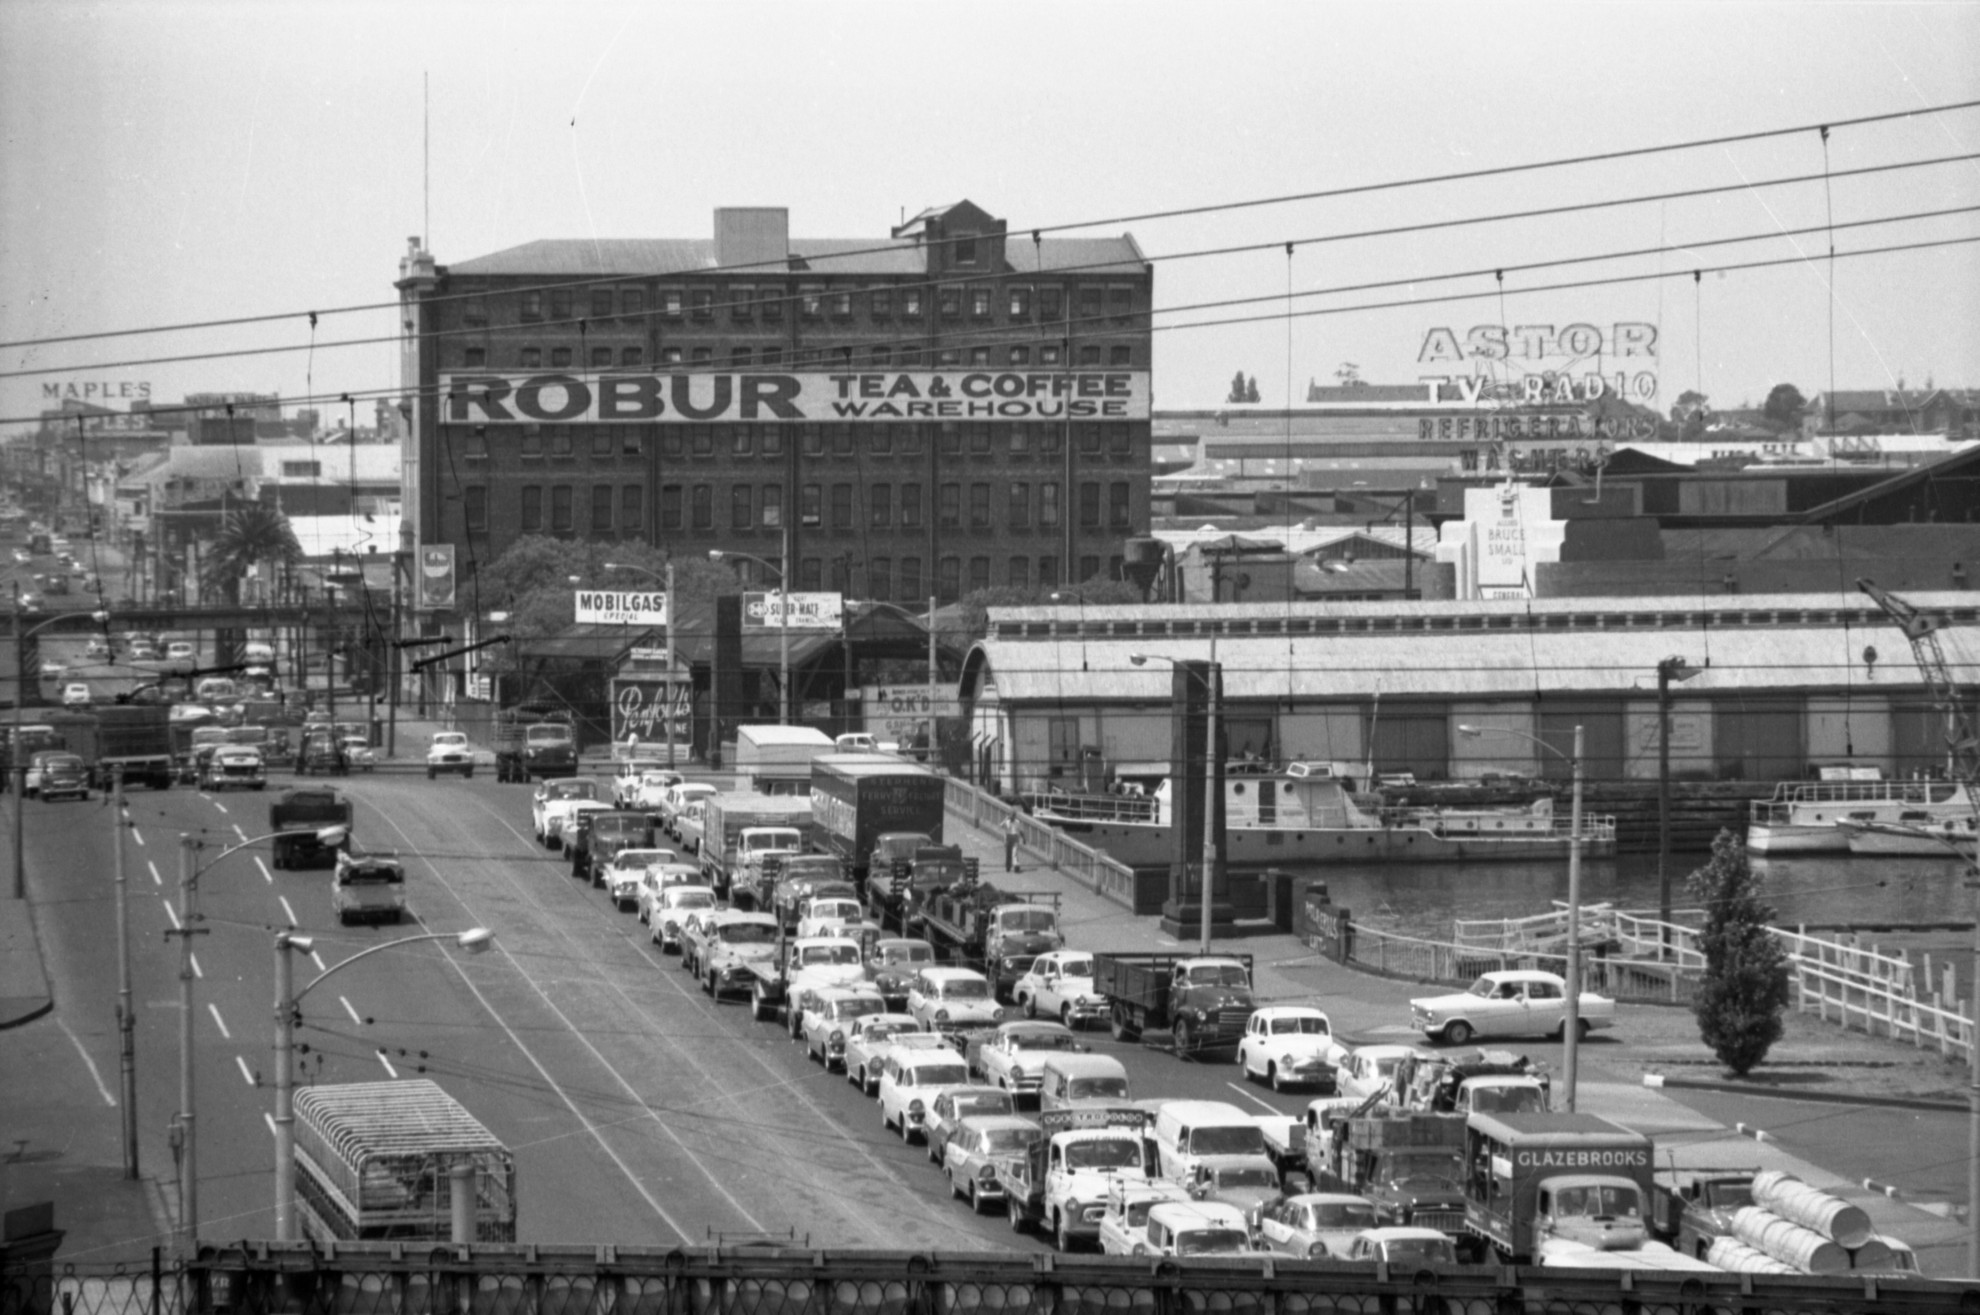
x=1912 y=837
x=1310 y=813
x=1805 y=817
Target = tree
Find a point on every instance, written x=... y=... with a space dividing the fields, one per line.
x=532 y=580
x=249 y=534
x=1785 y=407
x=1746 y=986
x=1237 y=388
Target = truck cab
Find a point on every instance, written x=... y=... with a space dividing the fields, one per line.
x=1203 y=1143
x=1196 y=1228
x=1062 y=1183
x=1535 y=1182
x=1480 y=1082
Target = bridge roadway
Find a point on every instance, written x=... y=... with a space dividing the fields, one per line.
x=640 y=1111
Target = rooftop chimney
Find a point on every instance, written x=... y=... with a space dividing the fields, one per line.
x=752 y=235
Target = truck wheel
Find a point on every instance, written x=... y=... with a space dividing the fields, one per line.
x=1122 y=1029
x=430 y=773
x=756 y=1009
x=1457 y=1032
x=1581 y=1029
x=1016 y=1212
x=1030 y=1003
x=1185 y=1038
x=1062 y=1236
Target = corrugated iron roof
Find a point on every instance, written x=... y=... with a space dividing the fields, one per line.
x=412 y=1116
x=637 y=257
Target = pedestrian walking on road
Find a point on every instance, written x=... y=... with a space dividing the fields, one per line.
x=1010 y=841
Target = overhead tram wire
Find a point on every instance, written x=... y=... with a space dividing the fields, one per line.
x=1253 y=203
x=1543 y=212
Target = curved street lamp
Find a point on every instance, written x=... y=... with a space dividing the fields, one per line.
x=288 y=1002
x=784 y=713
x=185 y=928
x=1212 y=678
x=1571 y=1025
x=666 y=578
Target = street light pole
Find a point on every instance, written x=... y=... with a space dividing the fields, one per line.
x=287 y=1004
x=1668 y=670
x=126 y=1020
x=785 y=714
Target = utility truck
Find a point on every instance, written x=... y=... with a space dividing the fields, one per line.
x=1203 y=1001
x=1409 y=1166
x=300 y=816
x=738 y=829
x=1062 y=1181
x=997 y=932
x=777 y=759
x=859 y=796
x=532 y=743
x=1480 y=1082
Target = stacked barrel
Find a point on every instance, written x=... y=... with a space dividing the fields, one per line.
x=1794 y=1228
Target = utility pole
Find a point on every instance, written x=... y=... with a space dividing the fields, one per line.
x=187 y=1142
x=126 y=1020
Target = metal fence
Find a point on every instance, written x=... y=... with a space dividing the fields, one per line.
x=1099 y=872
x=411 y=1279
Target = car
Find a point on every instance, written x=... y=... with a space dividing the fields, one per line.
x=828 y=1013
x=1195 y=1228
x=1290 y=1046
x=1408 y=1247
x=1013 y=1057
x=1515 y=1002
x=233 y=767
x=909 y=1079
x=675 y=801
x=555 y=797
x=1124 y=1225
x=321 y=752
x=181 y=655
x=971 y=1152
x=822 y=917
x=954 y=1104
x=358 y=753
x=1367 y=1069
x=892 y=963
x=669 y=907
x=811 y=962
x=652 y=787
x=1060 y=985
x=866 y=1043
x=449 y=751
x=624 y=877
x=942 y=998
x=736 y=947
x=30 y=602
x=633 y=775
x=697 y=929
x=76 y=695
x=1315 y=1225
x=55 y=774
x=97 y=649
x=141 y=652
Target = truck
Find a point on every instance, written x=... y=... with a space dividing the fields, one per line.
x=1692 y=1208
x=533 y=742
x=592 y=846
x=1408 y=1165
x=737 y=827
x=997 y=932
x=858 y=796
x=1553 y=1188
x=901 y=860
x=380 y=1161
x=1062 y=1181
x=1203 y=1001
x=777 y=759
x=369 y=888
x=801 y=872
x=300 y=813
x=133 y=741
x=1480 y=1082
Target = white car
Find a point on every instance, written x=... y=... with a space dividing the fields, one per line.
x=909 y=1079
x=668 y=908
x=1409 y=1248
x=635 y=774
x=1512 y=1003
x=553 y=802
x=867 y=1041
x=180 y=655
x=75 y=695
x=449 y=751
x=829 y=1013
x=736 y=948
x=676 y=799
x=952 y=998
x=1196 y=1228
x=825 y=917
x=623 y=874
x=1013 y=1058
x=1060 y=985
x=653 y=787
x=1371 y=1068
x=1290 y=1046
x=1315 y=1225
x=1124 y=1228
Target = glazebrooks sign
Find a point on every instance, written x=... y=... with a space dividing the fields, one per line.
x=794 y=398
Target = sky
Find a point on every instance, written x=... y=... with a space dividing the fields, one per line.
x=176 y=162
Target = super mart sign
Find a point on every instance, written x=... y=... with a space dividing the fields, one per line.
x=796 y=398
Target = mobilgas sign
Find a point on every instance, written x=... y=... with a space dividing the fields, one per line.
x=614 y=607
x=796 y=398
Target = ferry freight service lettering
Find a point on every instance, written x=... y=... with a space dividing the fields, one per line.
x=795 y=398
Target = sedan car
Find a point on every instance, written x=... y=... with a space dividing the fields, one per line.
x=1315 y=1225
x=669 y=907
x=553 y=800
x=636 y=774
x=828 y=1013
x=952 y=998
x=449 y=751
x=823 y=917
x=180 y=655
x=909 y=1081
x=1290 y=1046
x=1410 y=1248
x=868 y=1038
x=97 y=649
x=953 y=1105
x=1013 y=1057
x=734 y=950
x=359 y=755
x=76 y=695
x=53 y=774
x=1060 y=985
x=892 y=964
x=970 y=1153
x=1371 y=1068
x=1124 y=1226
x=1510 y=1003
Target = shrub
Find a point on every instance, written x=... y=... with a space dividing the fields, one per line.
x=1746 y=986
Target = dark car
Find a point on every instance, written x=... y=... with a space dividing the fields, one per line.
x=56 y=775
x=321 y=753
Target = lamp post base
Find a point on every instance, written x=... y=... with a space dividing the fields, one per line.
x=1183 y=919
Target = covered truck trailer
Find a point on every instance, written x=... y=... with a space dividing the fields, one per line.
x=856 y=797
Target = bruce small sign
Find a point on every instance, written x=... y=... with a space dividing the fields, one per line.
x=616 y=607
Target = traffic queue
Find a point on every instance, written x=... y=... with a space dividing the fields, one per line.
x=960 y=1010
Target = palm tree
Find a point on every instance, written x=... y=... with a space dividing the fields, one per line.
x=248 y=535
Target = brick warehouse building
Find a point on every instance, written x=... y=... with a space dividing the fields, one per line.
x=943 y=409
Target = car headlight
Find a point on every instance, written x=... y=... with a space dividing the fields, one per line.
x=837 y=1038
x=941 y=1015
x=985 y=1172
x=1017 y=1073
x=997 y=1015
x=916 y=1108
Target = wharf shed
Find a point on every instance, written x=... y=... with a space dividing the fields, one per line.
x=1780 y=684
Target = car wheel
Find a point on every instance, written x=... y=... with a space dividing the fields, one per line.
x=975 y=1199
x=1016 y=1213
x=1030 y=1006
x=1122 y=1029
x=1581 y=1029
x=430 y=773
x=468 y=775
x=1457 y=1032
x=1185 y=1038
x=935 y=1156
x=1066 y=1017
x=1273 y=1076
x=954 y=1191
x=708 y=984
x=907 y=1133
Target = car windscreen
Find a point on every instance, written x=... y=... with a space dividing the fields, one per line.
x=574 y=790
x=747 y=933
x=1009 y=1141
x=1231 y=1139
x=1343 y=1214
x=858 y=1006
x=1098 y=1089
x=1421 y=1251
x=619 y=828
x=965 y=988
x=691 y=899
x=1247 y=1176
x=1217 y=974
x=893 y=954
x=1212 y=1241
x=1028 y=920
x=1299 y=1027
x=1104 y=1153
x=935 y=1075
x=983 y=1102
x=828 y=954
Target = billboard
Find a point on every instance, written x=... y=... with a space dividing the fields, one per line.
x=896 y=713
x=436 y=576
x=640 y=706
x=772 y=398
x=807 y=611
x=616 y=607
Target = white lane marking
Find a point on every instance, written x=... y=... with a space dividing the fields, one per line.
x=101 y=1089
x=294 y=921
x=197 y=970
x=247 y=1073
x=156 y=880
x=237 y=831
x=317 y=959
x=137 y=835
x=388 y=1064
x=217 y=804
x=218 y=1021
x=269 y=1119
x=355 y=1016
x=1256 y=1099
x=173 y=914
x=266 y=875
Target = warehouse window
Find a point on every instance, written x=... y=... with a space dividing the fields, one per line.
x=532 y=306
x=881 y=500
x=632 y=510
x=979 y=573
x=632 y=301
x=601 y=303
x=601 y=509
x=742 y=301
x=1020 y=301
x=770 y=301
x=1089 y=505
x=560 y=358
x=811 y=499
x=879 y=578
x=1048 y=506
x=531 y=358
x=474 y=507
x=1117 y=506
x=979 y=506
x=703 y=499
x=948 y=507
x=910 y=510
x=670 y=506
x=1018 y=574
x=628 y=356
x=562 y=512
x=701 y=303
x=842 y=506
x=601 y=358
x=948 y=579
x=881 y=302
x=1020 y=507
x=670 y=303
x=474 y=358
x=532 y=509
x=911 y=587
x=739 y=508
x=560 y=303
x=772 y=504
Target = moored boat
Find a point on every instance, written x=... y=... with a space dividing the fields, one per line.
x=1912 y=837
x=1807 y=817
